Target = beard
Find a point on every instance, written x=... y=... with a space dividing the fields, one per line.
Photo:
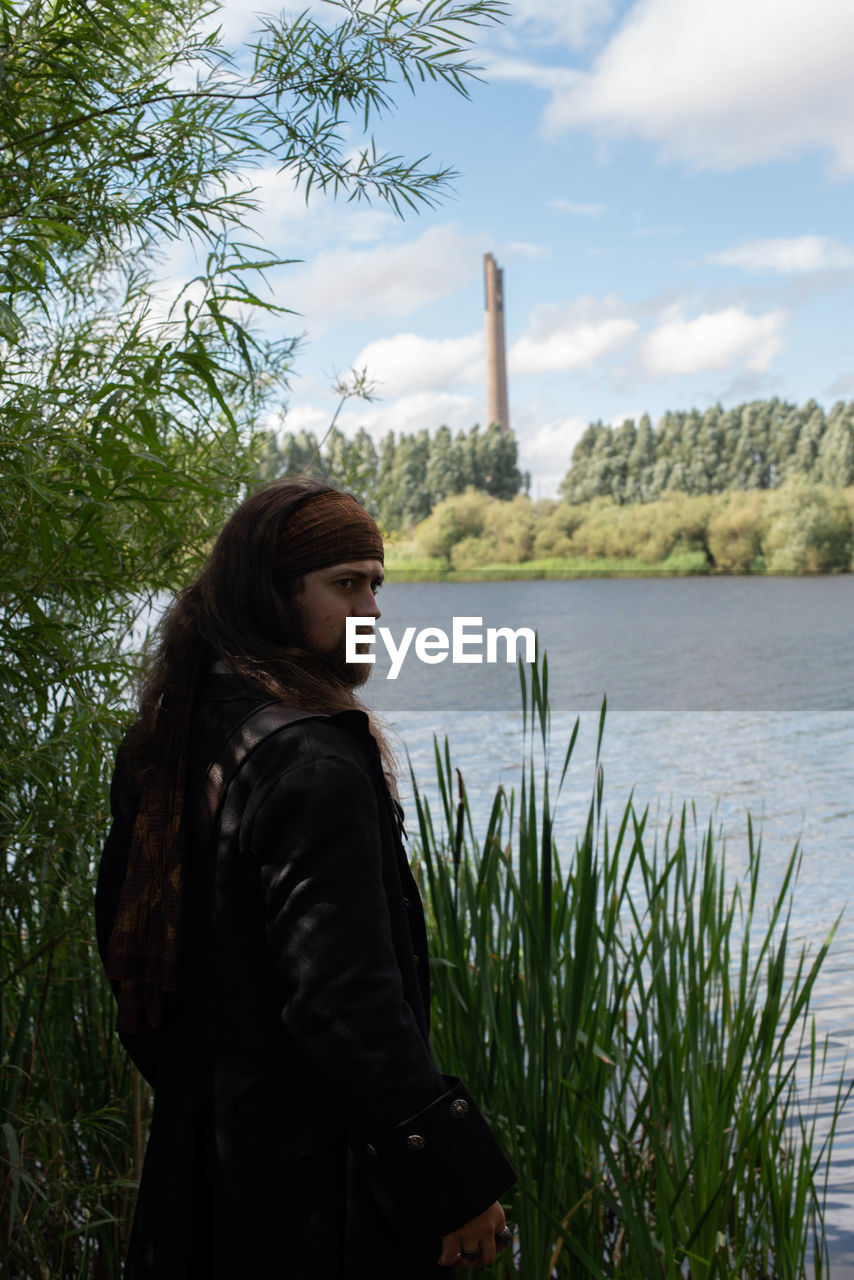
x=352 y=674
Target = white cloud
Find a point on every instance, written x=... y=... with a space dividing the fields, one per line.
x=523 y=249
x=304 y=417
x=408 y=363
x=722 y=83
x=843 y=385
x=571 y=348
x=617 y=419
x=573 y=337
x=420 y=411
x=388 y=280
x=569 y=21
x=570 y=206
x=238 y=22
x=520 y=71
x=797 y=255
x=546 y=451
x=714 y=341
x=293 y=225
x=283 y=224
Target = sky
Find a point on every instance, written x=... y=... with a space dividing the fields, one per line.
x=667 y=185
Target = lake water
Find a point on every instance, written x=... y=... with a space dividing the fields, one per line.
x=734 y=693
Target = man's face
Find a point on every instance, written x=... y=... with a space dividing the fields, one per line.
x=327 y=598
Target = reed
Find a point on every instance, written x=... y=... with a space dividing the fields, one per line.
x=641 y=1040
x=66 y=1084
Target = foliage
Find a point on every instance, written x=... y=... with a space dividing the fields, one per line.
x=554 y=525
x=502 y=532
x=643 y=1045
x=758 y=445
x=127 y=425
x=451 y=522
x=648 y=532
x=798 y=528
x=734 y=532
x=403 y=480
x=807 y=529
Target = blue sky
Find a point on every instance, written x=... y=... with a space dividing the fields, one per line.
x=667 y=185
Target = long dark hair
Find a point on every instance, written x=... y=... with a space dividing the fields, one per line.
x=241 y=612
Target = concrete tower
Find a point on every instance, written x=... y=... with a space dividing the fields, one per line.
x=496 y=368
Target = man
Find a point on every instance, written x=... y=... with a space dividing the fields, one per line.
x=265 y=939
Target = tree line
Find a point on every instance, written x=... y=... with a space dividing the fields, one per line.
x=761 y=444
x=757 y=445
x=405 y=476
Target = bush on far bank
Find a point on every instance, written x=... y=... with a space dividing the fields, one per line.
x=808 y=529
x=798 y=528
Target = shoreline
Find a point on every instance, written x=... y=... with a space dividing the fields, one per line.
x=533 y=573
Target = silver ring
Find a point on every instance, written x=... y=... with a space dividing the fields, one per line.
x=470 y=1255
x=504 y=1238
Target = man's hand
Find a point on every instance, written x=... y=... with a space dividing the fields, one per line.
x=476 y=1237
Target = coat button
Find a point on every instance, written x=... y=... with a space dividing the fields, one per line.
x=371 y=1150
x=416 y=957
x=459 y=1108
x=407 y=903
x=415 y=1142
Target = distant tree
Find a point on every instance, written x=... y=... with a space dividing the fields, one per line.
x=350 y=463
x=285 y=455
x=468 y=456
x=405 y=496
x=750 y=468
x=809 y=442
x=590 y=474
x=403 y=480
x=708 y=452
x=640 y=463
x=786 y=422
x=834 y=464
x=758 y=445
x=443 y=472
x=496 y=462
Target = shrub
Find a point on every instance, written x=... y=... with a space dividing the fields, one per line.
x=808 y=529
x=603 y=532
x=848 y=495
x=554 y=525
x=735 y=531
x=676 y=522
x=649 y=532
x=474 y=553
x=511 y=526
x=462 y=516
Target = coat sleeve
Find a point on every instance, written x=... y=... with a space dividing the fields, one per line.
x=317 y=840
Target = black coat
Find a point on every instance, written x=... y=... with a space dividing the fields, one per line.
x=300 y=1127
